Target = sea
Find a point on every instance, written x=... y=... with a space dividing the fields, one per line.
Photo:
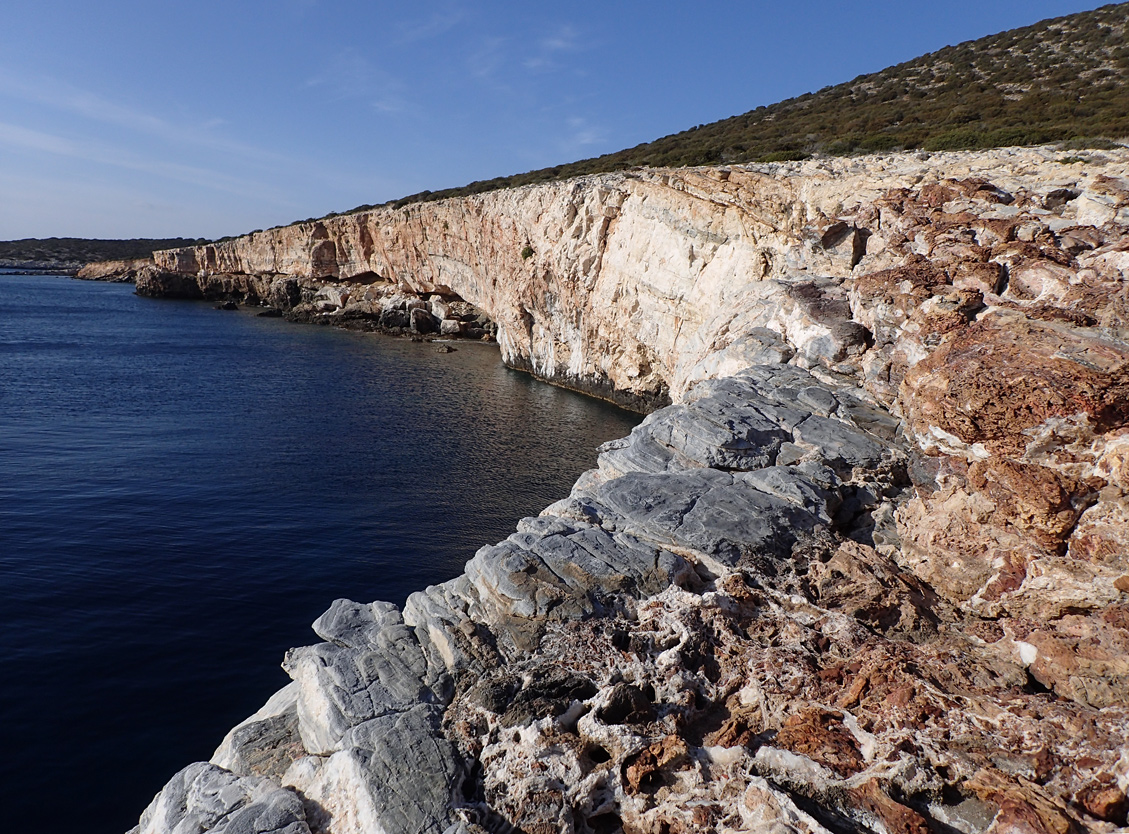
x=184 y=490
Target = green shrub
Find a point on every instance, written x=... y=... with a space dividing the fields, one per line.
x=783 y=156
x=879 y=142
x=842 y=147
x=954 y=140
x=1089 y=143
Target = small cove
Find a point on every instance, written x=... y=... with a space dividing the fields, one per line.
x=183 y=490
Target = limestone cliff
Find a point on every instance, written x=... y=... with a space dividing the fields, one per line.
x=121 y=271
x=870 y=571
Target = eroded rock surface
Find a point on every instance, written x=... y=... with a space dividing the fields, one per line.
x=122 y=271
x=869 y=572
x=372 y=305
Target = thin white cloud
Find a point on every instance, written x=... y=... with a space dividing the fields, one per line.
x=583 y=133
x=21 y=138
x=350 y=76
x=563 y=41
x=485 y=61
x=436 y=24
x=109 y=207
x=15 y=136
x=550 y=49
x=67 y=98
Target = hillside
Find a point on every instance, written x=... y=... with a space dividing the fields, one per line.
x=71 y=253
x=1063 y=79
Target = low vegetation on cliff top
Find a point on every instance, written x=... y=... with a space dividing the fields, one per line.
x=73 y=252
x=1064 y=79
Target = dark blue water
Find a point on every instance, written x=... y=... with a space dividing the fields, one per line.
x=182 y=491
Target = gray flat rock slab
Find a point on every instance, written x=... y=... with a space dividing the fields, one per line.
x=204 y=797
x=722 y=515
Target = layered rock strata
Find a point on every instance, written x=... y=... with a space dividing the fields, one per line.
x=868 y=572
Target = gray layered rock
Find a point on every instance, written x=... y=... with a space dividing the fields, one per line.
x=376 y=669
x=393 y=773
x=746 y=467
x=721 y=515
x=204 y=797
x=742 y=423
x=562 y=569
x=268 y=742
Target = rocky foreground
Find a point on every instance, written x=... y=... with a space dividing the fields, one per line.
x=868 y=572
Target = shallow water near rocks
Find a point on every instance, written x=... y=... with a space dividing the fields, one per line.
x=183 y=490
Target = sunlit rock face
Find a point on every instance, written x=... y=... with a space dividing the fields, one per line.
x=869 y=570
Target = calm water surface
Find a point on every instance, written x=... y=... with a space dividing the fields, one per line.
x=182 y=491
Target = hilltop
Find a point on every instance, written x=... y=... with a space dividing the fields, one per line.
x=67 y=254
x=1060 y=80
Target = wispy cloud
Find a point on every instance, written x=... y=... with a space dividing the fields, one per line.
x=437 y=23
x=352 y=76
x=58 y=203
x=579 y=135
x=550 y=49
x=485 y=61
x=583 y=133
x=21 y=138
x=67 y=98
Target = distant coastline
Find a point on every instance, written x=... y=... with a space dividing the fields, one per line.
x=68 y=255
x=34 y=269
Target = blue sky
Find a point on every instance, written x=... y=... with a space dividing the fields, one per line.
x=160 y=118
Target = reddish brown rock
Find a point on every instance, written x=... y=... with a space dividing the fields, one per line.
x=1103 y=799
x=874 y=589
x=820 y=735
x=1004 y=375
x=884 y=300
x=1035 y=500
x=645 y=770
x=894 y=817
x=1084 y=659
x=1023 y=805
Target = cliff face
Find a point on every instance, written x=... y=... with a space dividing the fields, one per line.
x=635 y=279
x=115 y=271
x=869 y=572
x=627 y=280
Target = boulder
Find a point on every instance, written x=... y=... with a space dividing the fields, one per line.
x=421 y=321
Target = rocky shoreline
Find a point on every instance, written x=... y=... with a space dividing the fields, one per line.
x=377 y=306
x=867 y=572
